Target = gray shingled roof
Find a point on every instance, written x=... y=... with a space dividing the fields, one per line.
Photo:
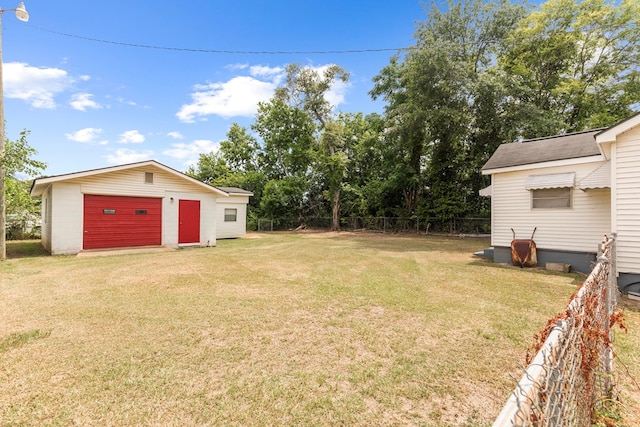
x=234 y=190
x=560 y=147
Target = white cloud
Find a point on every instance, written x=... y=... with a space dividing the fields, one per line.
x=237 y=66
x=240 y=95
x=131 y=137
x=237 y=97
x=175 y=135
x=124 y=101
x=264 y=71
x=190 y=151
x=126 y=155
x=36 y=85
x=82 y=101
x=85 y=135
x=337 y=93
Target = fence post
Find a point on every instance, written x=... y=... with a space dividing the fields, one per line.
x=611 y=301
x=613 y=275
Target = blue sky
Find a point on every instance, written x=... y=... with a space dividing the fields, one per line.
x=91 y=104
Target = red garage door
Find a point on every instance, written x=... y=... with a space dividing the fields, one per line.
x=113 y=221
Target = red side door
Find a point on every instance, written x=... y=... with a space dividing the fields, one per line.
x=189 y=221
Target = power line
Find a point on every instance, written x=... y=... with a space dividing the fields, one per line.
x=222 y=51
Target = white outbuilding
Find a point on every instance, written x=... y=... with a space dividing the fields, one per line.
x=136 y=204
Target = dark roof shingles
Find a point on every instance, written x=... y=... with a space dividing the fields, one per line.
x=234 y=190
x=560 y=147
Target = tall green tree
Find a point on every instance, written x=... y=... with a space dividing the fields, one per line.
x=573 y=65
x=240 y=150
x=287 y=139
x=21 y=208
x=307 y=89
x=405 y=132
x=211 y=169
x=288 y=144
x=363 y=187
x=433 y=94
x=19 y=159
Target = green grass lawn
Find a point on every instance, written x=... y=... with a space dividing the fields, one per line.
x=276 y=329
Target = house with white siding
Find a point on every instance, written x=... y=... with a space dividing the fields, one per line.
x=132 y=205
x=572 y=189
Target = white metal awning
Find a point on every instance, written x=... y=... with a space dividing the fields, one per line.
x=600 y=177
x=557 y=180
x=486 y=191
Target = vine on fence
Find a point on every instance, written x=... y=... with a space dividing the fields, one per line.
x=568 y=377
x=594 y=339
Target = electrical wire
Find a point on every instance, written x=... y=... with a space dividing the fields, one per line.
x=222 y=51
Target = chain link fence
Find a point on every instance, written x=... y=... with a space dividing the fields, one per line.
x=476 y=226
x=569 y=378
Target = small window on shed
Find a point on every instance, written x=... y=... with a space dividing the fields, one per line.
x=230 y=215
x=141 y=211
x=148 y=177
x=552 y=198
x=109 y=211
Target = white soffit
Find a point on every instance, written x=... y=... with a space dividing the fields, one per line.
x=557 y=180
x=600 y=177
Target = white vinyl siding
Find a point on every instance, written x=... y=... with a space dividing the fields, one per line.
x=627 y=200
x=131 y=182
x=232 y=229
x=46 y=219
x=65 y=214
x=579 y=228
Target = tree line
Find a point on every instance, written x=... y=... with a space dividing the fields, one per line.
x=479 y=74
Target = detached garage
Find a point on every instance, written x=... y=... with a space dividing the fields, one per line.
x=138 y=204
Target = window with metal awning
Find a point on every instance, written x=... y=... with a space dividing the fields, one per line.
x=556 y=180
x=552 y=191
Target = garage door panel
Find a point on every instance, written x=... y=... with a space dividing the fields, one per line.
x=114 y=221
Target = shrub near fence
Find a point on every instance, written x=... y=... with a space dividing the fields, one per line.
x=391 y=224
x=569 y=377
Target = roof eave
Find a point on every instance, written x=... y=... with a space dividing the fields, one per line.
x=38 y=182
x=610 y=135
x=529 y=166
x=241 y=194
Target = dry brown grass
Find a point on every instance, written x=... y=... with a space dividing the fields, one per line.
x=277 y=329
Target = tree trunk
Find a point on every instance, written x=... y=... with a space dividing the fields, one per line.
x=335 y=223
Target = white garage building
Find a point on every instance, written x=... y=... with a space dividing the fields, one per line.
x=137 y=204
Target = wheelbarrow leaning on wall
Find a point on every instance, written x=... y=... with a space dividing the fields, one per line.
x=523 y=251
